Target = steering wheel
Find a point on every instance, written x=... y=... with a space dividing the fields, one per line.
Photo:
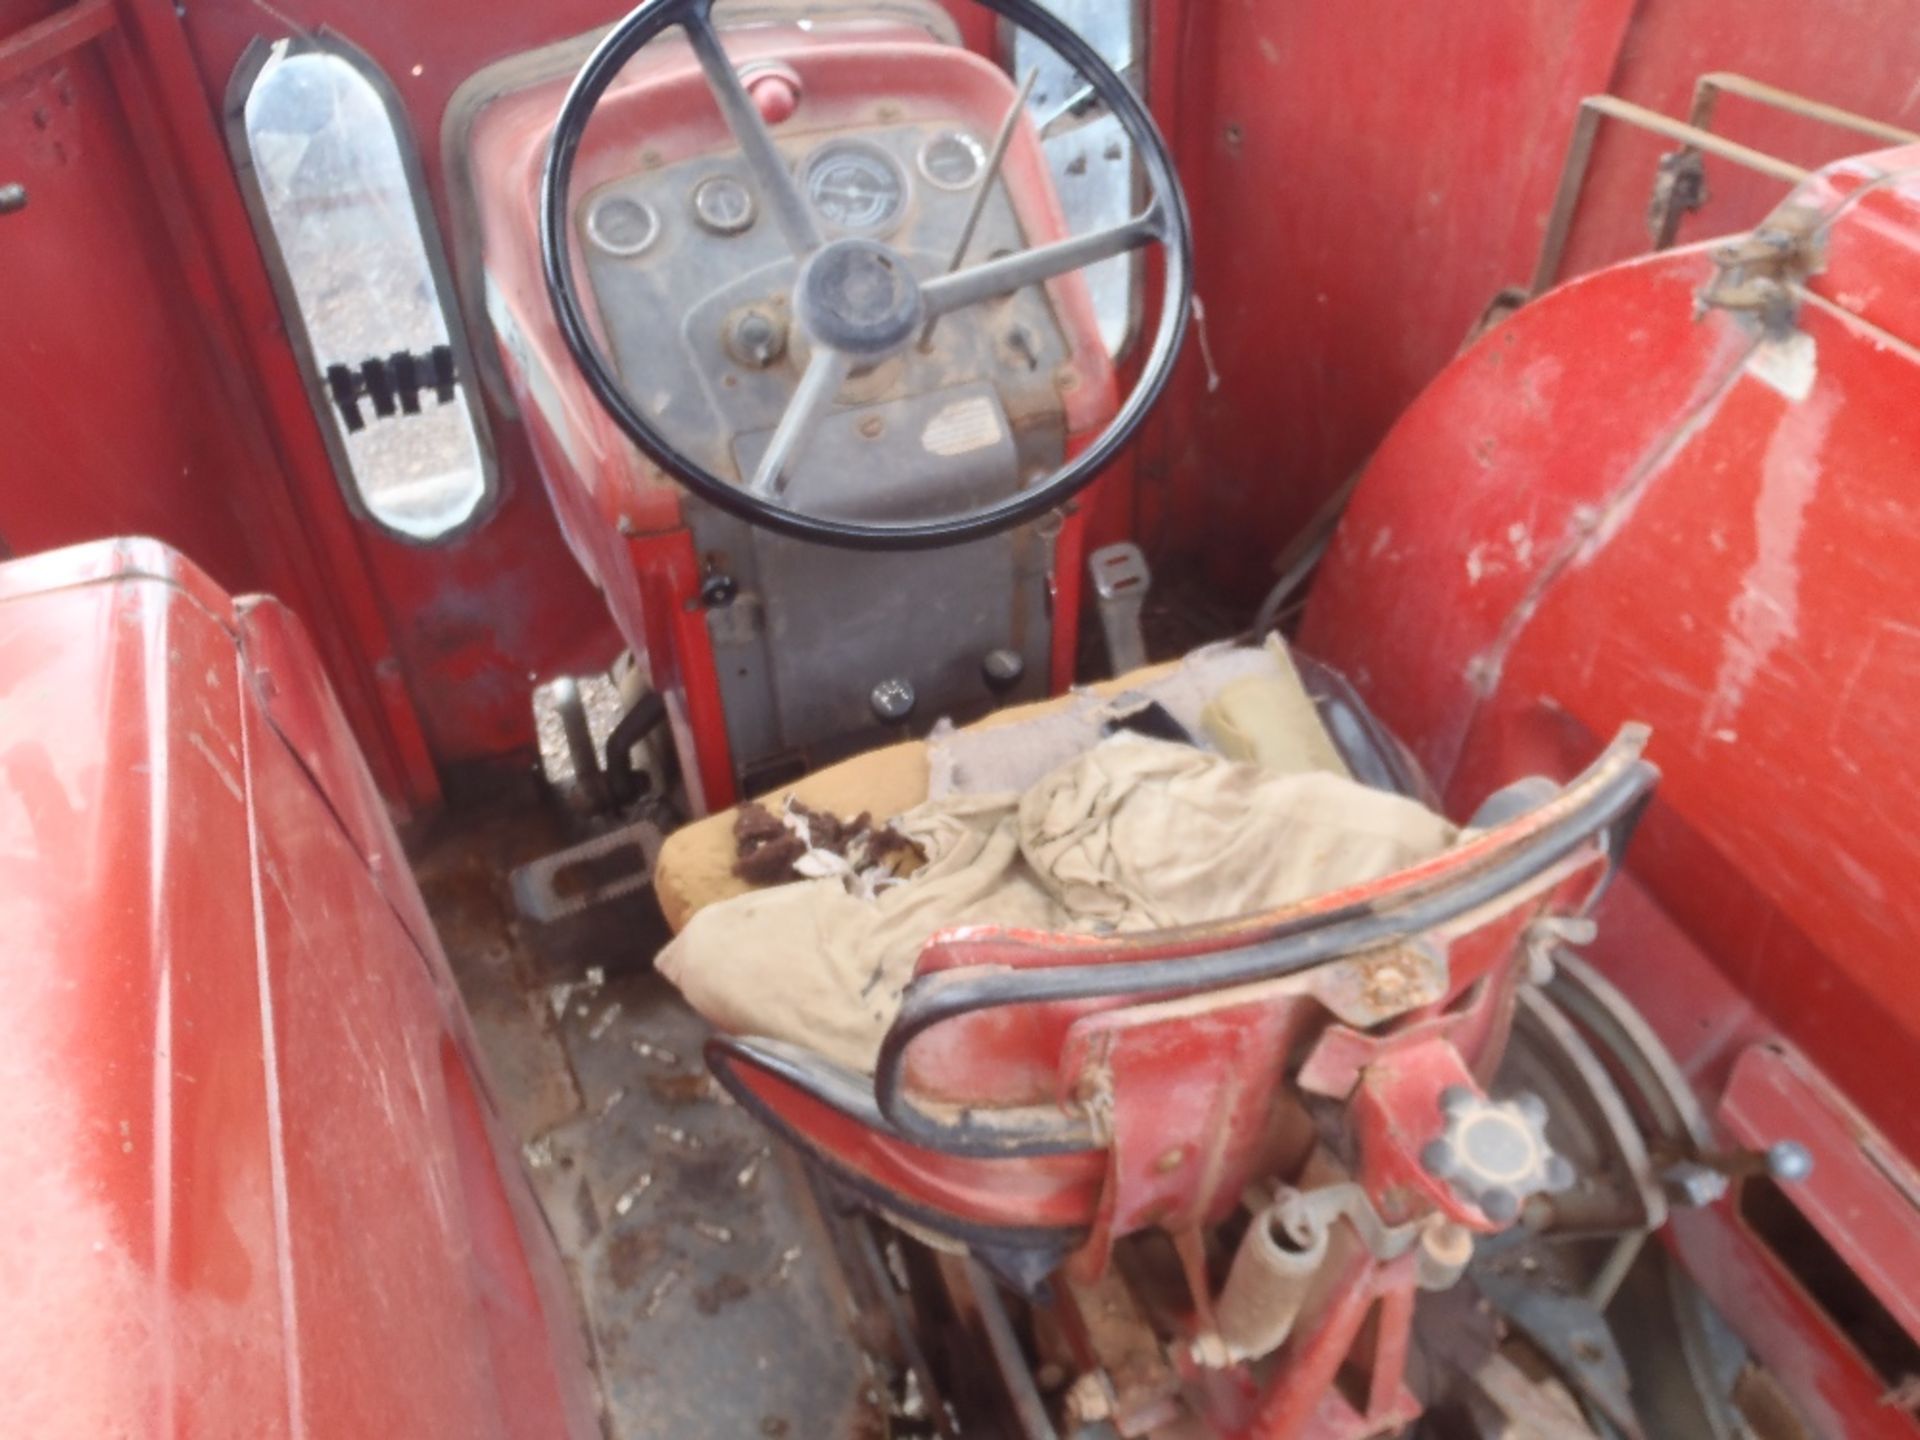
x=857 y=301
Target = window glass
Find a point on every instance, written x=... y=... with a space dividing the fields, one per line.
x=334 y=187
x=1089 y=151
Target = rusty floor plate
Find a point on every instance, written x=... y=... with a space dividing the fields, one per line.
x=716 y=1307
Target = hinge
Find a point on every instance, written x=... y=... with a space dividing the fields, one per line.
x=1759 y=274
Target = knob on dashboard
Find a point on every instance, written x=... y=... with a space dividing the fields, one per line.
x=775 y=92
x=757 y=337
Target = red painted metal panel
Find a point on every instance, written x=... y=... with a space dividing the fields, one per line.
x=123 y=381
x=1605 y=511
x=137 y=1267
x=1869 y=1203
x=253 y=1188
x=1368 y=175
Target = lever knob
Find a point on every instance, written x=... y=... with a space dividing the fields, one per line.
x=1494 y=1153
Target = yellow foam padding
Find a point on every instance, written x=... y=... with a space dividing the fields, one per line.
x=695 y=868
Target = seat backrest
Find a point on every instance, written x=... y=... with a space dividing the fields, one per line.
x=1012 y=1044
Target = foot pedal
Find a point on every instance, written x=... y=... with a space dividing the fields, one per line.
x=572 y=881
x=572 y=718
x=1121 y=580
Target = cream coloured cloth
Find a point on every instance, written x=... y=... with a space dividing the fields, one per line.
x=1135 y=834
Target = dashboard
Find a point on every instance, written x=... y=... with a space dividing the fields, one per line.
x=694 y=287
x=689 y=282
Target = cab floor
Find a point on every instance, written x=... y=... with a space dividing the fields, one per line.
x=706 y=1280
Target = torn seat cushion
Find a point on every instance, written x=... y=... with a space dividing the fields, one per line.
x=1133 y=834
x=1211 y=691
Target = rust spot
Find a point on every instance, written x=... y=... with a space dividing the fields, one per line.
x=678 y=1089
x=728 y=1289
x=632 y=1255
x=1389 y=985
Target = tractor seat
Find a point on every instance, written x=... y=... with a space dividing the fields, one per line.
x=1037 y=1091
x=696 y=866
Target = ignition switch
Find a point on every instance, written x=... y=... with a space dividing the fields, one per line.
x=757 y=337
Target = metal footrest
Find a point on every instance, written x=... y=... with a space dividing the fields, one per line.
x=572 y=881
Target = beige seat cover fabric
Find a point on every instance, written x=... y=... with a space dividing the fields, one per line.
x=1253 y=696
x=1132 y=835
x=695 y=868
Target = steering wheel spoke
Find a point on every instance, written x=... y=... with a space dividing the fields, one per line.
x=1012 y=273
x=775 y=180
x=825 y=374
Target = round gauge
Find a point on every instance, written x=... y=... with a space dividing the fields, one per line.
x=723 y=205
x=953 y=160
x=856 y=186
x=622 y=226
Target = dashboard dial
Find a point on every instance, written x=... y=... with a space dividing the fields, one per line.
x=855 y=186
x=723 y=205
x=621 y=226
x=953 y=160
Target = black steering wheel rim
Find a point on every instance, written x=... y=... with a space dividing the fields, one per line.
x=645 y=24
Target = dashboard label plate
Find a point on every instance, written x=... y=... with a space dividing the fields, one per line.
x=963 y=427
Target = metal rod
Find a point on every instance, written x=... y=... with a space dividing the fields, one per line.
x=903 y=1327
x=1030 y=267
x=1007 y=1354
x=1710 y=86
x=996 y=157
x=770 y=173
x=819 y=384
x=48 y=39
x=1075 y=102
x=1613 y=1270
x=1706 y=94
x=1580 y=154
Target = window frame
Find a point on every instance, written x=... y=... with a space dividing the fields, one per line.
x=253 y=62
x=1142 y=26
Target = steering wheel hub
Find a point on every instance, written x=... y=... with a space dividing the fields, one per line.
x=859 y=297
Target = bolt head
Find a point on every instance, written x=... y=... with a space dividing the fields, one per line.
x=1694 y=1185
x=1789 y=1161
x=893 y=700
x=1089 y=1401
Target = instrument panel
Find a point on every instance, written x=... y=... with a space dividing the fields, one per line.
x=693 y=280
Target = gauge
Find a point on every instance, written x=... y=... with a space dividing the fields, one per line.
x=856 y=186
x=622 y=226
x=723 y=205
x=952 y=160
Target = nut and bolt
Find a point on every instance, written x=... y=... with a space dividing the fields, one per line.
x=1210 y=1351
x=1091 y=1399
x=1693 y=1184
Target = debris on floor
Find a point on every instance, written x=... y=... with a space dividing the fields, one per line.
x=712 y=1300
